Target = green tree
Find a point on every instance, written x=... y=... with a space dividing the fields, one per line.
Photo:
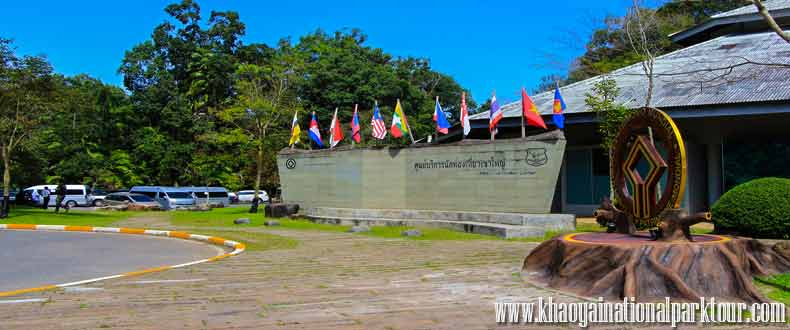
x=89 y=120
x=178 y=79
x=25 y=83
x=266 y=95
x=341 y=70
x=610 y=114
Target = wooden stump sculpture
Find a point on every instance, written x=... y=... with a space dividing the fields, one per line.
x=615 y=266
x=669 y=263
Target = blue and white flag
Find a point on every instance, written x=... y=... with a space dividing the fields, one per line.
x=442 y=125
x=315 y=134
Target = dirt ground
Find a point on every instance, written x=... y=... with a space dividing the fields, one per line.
x=330 y=281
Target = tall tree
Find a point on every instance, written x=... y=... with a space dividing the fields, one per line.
x=644 y=36
x=25 y=83
x=266 y=95
x=766 y=14
x=177 y=80
x=341 y=70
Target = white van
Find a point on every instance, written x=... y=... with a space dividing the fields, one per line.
x=214 y=195
x=76 y=194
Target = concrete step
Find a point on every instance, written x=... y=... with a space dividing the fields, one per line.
x=484 y=228
x=554 y=222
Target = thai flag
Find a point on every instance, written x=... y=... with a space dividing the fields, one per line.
x=355 y=127
x=495 y=115
x=379 y=128
x=315 y=134
x=442 y=125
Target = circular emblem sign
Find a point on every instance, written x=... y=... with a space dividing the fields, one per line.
x=290 y=163
x=648 y=166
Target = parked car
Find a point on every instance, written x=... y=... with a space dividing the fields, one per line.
x=168 y=197
x=96 y=197
x=214 y=195
x=246 y=196
x=11 y=196
x=76 y=194
x=124 y=198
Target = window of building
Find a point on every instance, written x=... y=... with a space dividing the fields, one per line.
x=586 y=176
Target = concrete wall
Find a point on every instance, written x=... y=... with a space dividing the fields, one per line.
x=511 y=175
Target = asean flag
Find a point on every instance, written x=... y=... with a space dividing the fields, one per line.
x=559 y=108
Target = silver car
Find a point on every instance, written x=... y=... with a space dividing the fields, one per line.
x=168 y=197
x=125 y=198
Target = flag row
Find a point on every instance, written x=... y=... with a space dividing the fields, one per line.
x=400 y=126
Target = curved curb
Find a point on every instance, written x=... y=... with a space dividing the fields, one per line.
x=237 y=248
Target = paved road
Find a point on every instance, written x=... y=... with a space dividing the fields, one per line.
x=35 y=258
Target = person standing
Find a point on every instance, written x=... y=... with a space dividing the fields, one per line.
x=45 y=198
x=60 y=191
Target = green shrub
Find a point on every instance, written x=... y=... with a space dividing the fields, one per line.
x=758 y=208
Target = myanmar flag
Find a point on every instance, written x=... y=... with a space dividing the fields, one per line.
x=399 y=124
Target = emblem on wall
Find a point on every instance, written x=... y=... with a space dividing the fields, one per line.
x=290 y=163
x=537 y=156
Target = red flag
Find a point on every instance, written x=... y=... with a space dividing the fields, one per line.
x=530 y=111
x=335 y=132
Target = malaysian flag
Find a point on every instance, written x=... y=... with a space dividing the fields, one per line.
x=379 y=128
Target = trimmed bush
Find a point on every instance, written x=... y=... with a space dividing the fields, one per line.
x=758 y=208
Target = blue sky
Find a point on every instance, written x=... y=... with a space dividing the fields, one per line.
x=485 y=45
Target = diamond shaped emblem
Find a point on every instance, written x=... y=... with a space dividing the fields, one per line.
x=644 y=188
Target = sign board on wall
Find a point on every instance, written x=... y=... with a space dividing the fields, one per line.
x=513 y=175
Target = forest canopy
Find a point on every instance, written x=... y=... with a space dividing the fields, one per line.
x=175 y=121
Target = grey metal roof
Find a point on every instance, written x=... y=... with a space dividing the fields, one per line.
x=717 y=71
x=743 y=19
x=751 y=9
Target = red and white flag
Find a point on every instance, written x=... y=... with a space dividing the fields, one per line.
x=335 y=132
x=379 y=128
x=465 y=115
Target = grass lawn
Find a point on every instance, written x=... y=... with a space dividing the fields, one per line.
x=776 y=287
x=428 y=233
x=219 y=217
x=29 y=215
x=255 y=241
x=224 y=217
